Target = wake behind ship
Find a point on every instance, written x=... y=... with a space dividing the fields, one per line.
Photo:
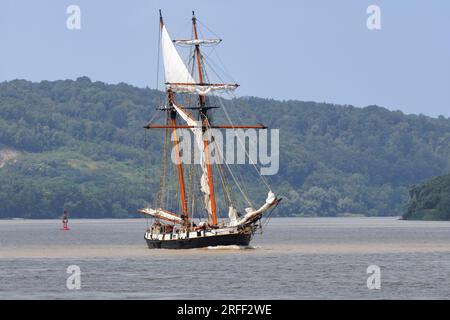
x=191 y=194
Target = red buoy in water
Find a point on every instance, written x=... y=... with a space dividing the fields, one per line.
x=65 y=220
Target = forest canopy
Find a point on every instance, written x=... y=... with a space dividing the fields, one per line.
x=81 y=145
x=430 y=200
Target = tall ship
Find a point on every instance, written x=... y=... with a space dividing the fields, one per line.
x=193 y=197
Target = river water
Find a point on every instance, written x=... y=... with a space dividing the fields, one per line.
x=295 y=258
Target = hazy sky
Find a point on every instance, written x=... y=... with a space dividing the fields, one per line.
x=306 y=50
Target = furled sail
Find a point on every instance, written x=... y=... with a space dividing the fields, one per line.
x=198 y=135
x=198 y=41
x=252 y=214
x=161 y=214
x=201 y=89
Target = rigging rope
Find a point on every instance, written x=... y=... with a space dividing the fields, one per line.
x=263 y=226
x=245 y=150
x=164 y=168
x=231 y=122
x=234 y=178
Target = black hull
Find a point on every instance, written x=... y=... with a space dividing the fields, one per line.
x=239 y=239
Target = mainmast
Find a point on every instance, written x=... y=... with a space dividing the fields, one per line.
x=205 y=123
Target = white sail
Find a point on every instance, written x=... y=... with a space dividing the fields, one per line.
x=198 y=135
x=174 y=67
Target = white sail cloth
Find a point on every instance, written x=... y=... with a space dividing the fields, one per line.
x=174 y=67
x=161 y=214
x=198 y=135
x=252 y=214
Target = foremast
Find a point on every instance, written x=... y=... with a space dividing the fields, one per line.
x=173 y=122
